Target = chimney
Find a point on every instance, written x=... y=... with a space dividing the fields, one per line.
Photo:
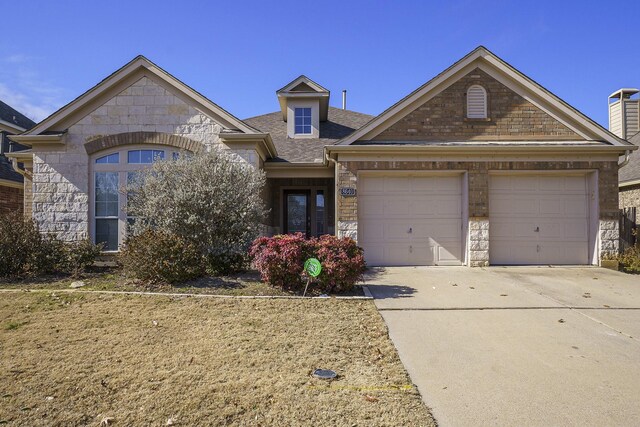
x=624 y=113
x=344 y=99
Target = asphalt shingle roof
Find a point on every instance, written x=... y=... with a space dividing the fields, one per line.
x=7 y=172
x=631 y=171
x=340 y=123
x=11 y=115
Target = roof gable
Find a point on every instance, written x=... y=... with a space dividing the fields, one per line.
x=509 y=117
x=115 y=83
x=482 y=59
x=302 y=84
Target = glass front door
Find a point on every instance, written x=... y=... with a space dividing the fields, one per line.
x=297 y=218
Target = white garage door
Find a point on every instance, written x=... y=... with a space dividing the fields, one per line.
x=538 y=219
x=410 y=220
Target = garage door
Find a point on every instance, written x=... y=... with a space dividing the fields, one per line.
x=410 y=220
x=538 y=219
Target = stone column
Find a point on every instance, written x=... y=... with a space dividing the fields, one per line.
x=478 y=244
x=609 y=237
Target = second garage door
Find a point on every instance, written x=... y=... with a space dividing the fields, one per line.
x=410 y=219
x=538 y=219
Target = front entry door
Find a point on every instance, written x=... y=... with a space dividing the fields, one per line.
x=297 y=213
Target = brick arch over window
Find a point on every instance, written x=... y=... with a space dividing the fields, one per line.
x=130 y=138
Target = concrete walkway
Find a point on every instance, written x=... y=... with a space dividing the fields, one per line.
x=514 y=346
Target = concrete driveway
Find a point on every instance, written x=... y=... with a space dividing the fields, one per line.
x=517 y=345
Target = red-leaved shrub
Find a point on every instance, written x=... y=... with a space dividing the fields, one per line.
x=280 y=261
x=342 y=262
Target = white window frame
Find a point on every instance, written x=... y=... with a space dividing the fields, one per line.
x=295 y=110
x=122 y=168
x=484 y=97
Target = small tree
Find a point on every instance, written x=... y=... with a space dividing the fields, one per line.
x=210 y=199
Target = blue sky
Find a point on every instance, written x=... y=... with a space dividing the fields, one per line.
x=238 y=53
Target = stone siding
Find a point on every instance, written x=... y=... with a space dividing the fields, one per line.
x=61 y=175
x=11 y=199
x=478 y=242
x=630 y=197
x=478 y=180
x=609 y=237
x=510 y=117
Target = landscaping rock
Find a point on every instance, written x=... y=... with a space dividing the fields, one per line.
x=77 y=284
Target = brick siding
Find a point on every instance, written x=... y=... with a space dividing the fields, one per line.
x=510 y=117
x=11 y=199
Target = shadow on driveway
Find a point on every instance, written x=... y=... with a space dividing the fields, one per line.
x=391 y=291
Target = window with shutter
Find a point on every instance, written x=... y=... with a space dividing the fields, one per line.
x=476 y=102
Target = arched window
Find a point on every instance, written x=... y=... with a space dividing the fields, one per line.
x=111 y=170
x=476 y=102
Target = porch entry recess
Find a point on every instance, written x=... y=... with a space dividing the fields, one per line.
x=304 y=212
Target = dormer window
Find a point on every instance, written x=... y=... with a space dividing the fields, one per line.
x=304 y=105
x=476 y=102
x=303 y=121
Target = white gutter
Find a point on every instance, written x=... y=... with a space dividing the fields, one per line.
x=480 y=149
x=629 y=183
x=14 y=158
x=12 y=126
x=29 y=140
x=627 y=153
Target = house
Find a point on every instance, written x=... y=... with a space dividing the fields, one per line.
x=11 y=183
x=480 y=165
x=624 y=122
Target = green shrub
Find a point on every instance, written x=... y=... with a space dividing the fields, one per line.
x=211 y=199
x=160 y=257
x=24 y=251
x=280 y=261
x=81 y=255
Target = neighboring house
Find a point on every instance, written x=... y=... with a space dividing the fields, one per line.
x=480 y=165
x=11 y=182
x=624 y=121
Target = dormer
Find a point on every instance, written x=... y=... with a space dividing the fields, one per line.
x=304 y=104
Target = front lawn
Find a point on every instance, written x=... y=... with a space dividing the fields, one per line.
x=81 y=358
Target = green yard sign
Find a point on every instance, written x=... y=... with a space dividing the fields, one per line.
x=313 y=267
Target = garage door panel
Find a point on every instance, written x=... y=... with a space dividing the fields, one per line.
x=449 y=253
x=397 y=184
x=562 y=252
x=504 y=205
x=373 y=206
x=448 y=206
x=410 y=220
x=514 y=230
x=563 y=229
x=372 y=185
x=446 y=229
x=397 y=207
x=538 y=219
x=517 y=252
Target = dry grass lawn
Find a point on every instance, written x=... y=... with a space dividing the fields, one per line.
x=72 y=359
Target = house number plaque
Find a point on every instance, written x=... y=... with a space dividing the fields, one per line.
x=347 y=192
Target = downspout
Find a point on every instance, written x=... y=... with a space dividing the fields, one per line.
x=627 y=153
x=14 y=163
